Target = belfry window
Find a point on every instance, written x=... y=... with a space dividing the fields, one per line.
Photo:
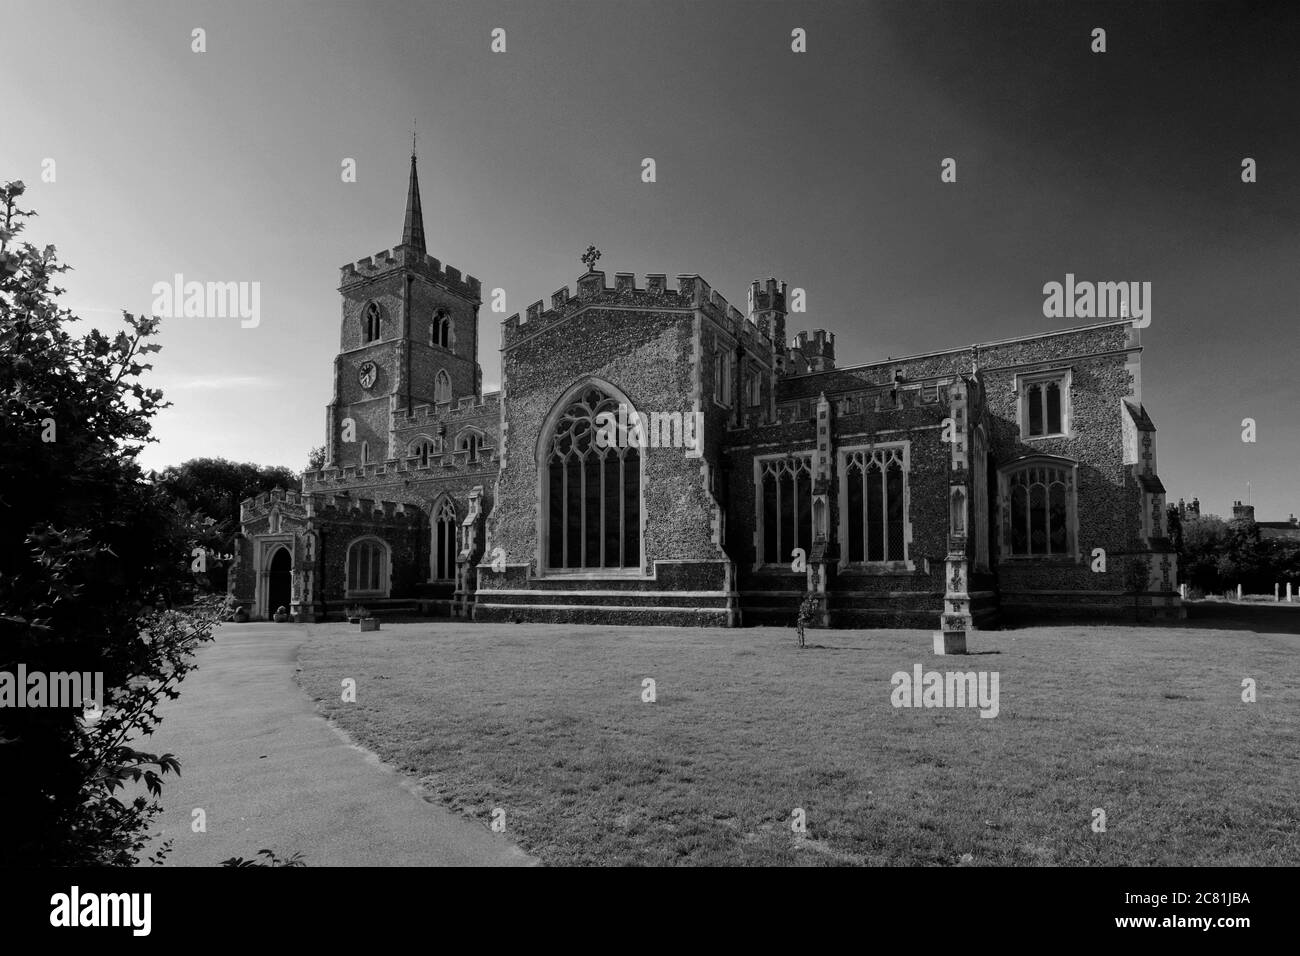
x=873 y=504
x=440 y=331
x=442 y=387
x=785 y=507
x=1039 y=517
x=444 y=541
x=371 y=322
x=367 y=568
x=592 y=495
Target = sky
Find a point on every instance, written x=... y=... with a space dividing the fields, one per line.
x=821 y=168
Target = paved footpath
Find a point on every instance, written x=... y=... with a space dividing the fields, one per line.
x=269 y=772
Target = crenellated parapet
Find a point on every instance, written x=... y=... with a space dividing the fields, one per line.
x=692 y=292
x=310 y=504
x=816 y=354
x=448 y=412
x=934 y=390
x=450 y=462
x=405 y=257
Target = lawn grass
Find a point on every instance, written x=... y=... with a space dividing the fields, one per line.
x=547 y=722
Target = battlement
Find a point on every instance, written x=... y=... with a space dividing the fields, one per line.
x=932 y=390
x=405 y=257
x=311 y=504
x=692 y=292
x=462 y=410
x=817 y=353
x=440 y=465
x=770 y=296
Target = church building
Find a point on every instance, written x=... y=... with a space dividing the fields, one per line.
x=656 y=455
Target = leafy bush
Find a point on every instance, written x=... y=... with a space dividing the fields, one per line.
x=93 y=561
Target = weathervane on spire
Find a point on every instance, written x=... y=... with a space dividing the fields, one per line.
x=589 y=257
x=412 y=136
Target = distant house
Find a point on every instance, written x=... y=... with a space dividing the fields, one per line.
x=1289 y=529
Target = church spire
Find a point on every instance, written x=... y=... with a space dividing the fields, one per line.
x=413 y=228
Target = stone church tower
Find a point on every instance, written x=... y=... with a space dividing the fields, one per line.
x=409 y=337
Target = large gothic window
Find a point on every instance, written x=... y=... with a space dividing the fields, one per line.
x=1038 y=509
x=592 y=494
x=785 y=507
x=442 y=387
x=371 y=322
x=444 y=541
x=873 y=504
x=367 y=568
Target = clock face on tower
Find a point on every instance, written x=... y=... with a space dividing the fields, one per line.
x=369 y=372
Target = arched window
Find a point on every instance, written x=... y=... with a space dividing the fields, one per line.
x=367 y=568
x=591 y=495
x=1037 y=498
x=440 y=330
x=444 y=541
x=371 y=322
x=873 y=498
x=442 y=387
x=423 y=449
x=785 y=506
x=365 y=453
x=470 y=441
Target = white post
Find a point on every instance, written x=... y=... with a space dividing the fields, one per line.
x=1238 y=592
x=1276 y=588
x=1288 y=592
x=1183 y=589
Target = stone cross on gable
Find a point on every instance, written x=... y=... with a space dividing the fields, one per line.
x=589 y=257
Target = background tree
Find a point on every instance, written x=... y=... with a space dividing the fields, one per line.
x=214 y=487
x=91 y=558
x=209 y=490
x=1204 y=539
x=316 y=458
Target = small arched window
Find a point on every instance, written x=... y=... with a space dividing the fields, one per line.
x=442 y=387
x=440 y=331
x=371 y=322
x=470 y=441
x=368 y=568
x=365 y=453
x=423 y=449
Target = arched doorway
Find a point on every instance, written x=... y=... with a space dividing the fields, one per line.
x=278 y=587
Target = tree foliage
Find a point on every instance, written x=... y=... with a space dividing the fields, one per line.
x=1217 y=555
x=92 y=559
x=214 y=487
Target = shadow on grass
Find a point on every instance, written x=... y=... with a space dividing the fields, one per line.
x=1265 y=619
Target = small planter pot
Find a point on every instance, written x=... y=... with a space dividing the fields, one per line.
x=369 y=624
x=281 y=615
x=241 y=616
